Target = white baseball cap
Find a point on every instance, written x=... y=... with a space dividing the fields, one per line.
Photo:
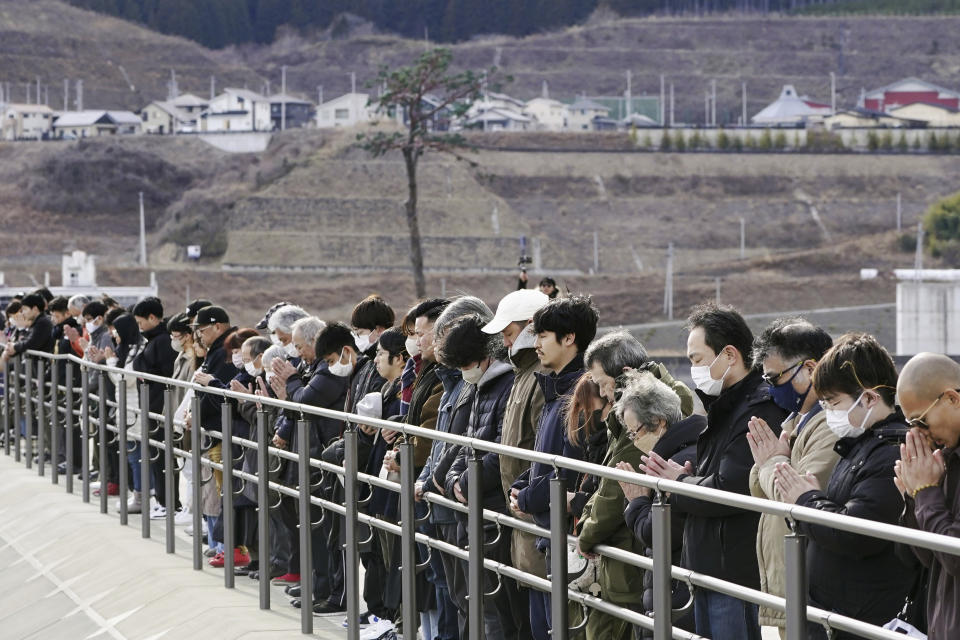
x=518 y=306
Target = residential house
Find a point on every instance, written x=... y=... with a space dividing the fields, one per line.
x=128 y=123
x=84 y=124
x=639 y=121
x=25 y=121
x=600 y=123
x=582 y=113
x=191 y=104
x=165 y=118
x=299 y=112
x=909 y=91
x=791 y=109
x=346 y=111
x=859 y=117
x=498 y=119
x=550 y=114
x=237 y=110
x=930 y=114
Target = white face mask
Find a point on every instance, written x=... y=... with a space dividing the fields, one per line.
x=362 y=342
x=472 y=375
x=527 y=339
x=91 y=327
x=176 y=345
x=251 y=369
x=291 y=350
x=412 y=349
x=839 y=421
x=705 y=380
x=341 y=369
x=237 y=359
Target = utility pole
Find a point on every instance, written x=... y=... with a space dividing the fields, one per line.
x=899 y=213
x=833 y=92
x=213 y=87
x=743 y=238
x=283 y=98
x=319 y=95
x=713 y=103
x=668 y=289
x=918 y=260
x=66 y=94
x=671 y=105
x=706 y=108
x=353 y=82
x=717 y=282
x=663 y=101
x=629 y=87
x=143 y=235
x=596 y=253
x=743 y=100
x=79 y=95
x=38 y=90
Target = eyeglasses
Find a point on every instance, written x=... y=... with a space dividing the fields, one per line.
x=773 y=377
x=919 y=421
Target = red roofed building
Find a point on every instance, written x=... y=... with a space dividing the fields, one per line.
x=909 y=91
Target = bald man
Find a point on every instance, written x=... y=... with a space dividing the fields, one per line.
x=929 y=393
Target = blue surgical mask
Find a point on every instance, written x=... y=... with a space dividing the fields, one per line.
x=786 y=397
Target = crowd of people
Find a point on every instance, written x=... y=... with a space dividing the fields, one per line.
x=790 y=415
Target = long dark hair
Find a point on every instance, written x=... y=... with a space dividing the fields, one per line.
x=126 y=327
x=580 y=413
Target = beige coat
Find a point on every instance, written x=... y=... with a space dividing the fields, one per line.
x=811 y=452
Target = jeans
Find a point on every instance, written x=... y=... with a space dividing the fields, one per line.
x=722 y=617
x=133 y=458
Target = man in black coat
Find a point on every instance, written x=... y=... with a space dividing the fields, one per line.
x=39 y=335
x=59 y=309
x=156 y=358
x=719 y=540
x=212 y=325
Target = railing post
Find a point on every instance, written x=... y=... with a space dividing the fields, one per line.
x=7 y=399
x=195 y=463
x=795 y=554
x=102 y=413
x=475 y=541
x=662 y=561
x=408 y=540
x=263 y=508
x=144 y=459
x=68 y=429
x=55 y=445
x=351 y=466
x=306 y=556
x=169 y=491
x=226 y=457
x=41 y=415
x=124 y=471
x=559 y=618
x=85 y=434
x=28 y=420
x=17 y=406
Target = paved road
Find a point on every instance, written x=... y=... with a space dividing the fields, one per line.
x=67 y=571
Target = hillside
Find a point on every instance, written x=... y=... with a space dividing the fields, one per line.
x=122 y=66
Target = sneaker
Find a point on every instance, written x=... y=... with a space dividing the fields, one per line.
x=135 y=503
x=183 y=517
x=189 y=529
x=365 y=620
x=292 y=590
x=325 y=607
x=113 y=489
x=217 y=560
x=380 y=630
x=158 y=512
x=287 y=578
x=274 y=572
x=209 y=553
x=240 y=559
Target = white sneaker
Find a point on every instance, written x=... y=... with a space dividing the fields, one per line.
x=379 y=629
x=189 y=529
x=183 y=517
x=157 y=512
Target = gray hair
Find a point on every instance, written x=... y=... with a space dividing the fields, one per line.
x=614 y=351
x=78 y=301
x=462 y=306
x=285 y=317
x=275 y=351
x=308 y=328
x=649 y=399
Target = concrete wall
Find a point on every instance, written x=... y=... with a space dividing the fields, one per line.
x=249 y=142
x=927 y=317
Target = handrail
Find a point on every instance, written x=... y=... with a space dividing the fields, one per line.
x=850 y=524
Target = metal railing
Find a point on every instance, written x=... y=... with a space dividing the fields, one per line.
x=26 y=376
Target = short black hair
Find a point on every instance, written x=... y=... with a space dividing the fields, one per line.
x=179 y=323
x=58 y=304
x=372 y=312
x=113 y=314
x=13 y=307
x=45 y=293
x=333 y=338
x=464 y=342
x=429 y=309
x=34 y=300
x=94 y=309
x=548 y=282
x=149 y=306
x=258 y=345
x=394 y=343
x=791 y=339
x=564 y=316
x=854 y=363
x=722 y=326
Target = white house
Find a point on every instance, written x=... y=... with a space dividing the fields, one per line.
x=933 y=115
x=345 y=111
x=583 y=112
x=237 y=110
x=164 y=118
x=498 y=119
x=84 y=124
x=79 y=269
x=128 y=123
x=791 y=109
x=550 y=114
x=189 y=103
x=25 y=121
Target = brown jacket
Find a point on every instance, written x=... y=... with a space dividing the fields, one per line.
x=811 y=452
x=524 y=406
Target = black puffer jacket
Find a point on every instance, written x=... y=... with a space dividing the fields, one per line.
x=679 y=444
x=217 y=364
x=459 y=425
x=157 y=358
x=719 y=540
x=39 y=337
x=856 y=575
x=486 y=422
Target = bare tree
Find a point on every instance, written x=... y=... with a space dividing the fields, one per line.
x=424 y=92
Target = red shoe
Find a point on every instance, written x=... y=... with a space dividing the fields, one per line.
x=113 y=489
x=287 y=578
x=217 y=560
x=240 y=558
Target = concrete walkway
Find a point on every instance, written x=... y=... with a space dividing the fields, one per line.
x=67 y=571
